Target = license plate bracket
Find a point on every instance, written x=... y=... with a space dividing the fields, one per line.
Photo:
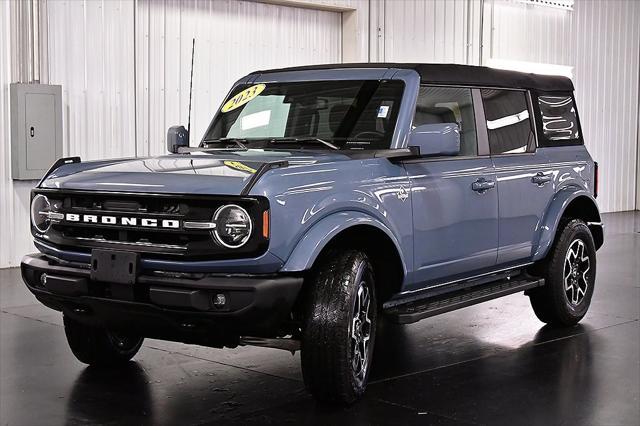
x=112 y=266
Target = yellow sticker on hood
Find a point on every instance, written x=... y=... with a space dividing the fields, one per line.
x=243 y=97
x=239 y=166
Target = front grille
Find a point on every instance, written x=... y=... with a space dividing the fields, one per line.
x=153 y=242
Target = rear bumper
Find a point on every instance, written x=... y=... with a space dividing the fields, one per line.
x=174 y=306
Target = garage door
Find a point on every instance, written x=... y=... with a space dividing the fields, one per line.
x=232 y=38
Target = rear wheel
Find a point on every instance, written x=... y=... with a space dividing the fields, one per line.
x=569 y=272
x=339 y=327
x=98 y=346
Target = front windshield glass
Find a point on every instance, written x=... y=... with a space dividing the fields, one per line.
x=324 y=114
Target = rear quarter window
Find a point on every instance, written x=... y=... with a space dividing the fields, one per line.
x=558 y=120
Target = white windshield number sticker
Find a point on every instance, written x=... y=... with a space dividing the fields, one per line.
x=383 y=111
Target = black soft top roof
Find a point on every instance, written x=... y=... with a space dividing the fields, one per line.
x=469 y=75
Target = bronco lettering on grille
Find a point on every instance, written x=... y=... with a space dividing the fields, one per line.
x=123 y=221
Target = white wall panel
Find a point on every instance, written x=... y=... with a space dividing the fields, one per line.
x=607 y=73
x=15 y=238
x=600 y=39
x=526 y=32
x=91 y=56
x=233 y=38
x=7 y=202
x=430 y=31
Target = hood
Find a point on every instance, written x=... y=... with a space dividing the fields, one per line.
x=220 y=173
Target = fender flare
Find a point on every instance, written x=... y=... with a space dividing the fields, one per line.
x=322 y=232
x=554 y=213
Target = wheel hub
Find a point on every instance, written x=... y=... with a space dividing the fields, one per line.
x=361 y=332
x=576 y=266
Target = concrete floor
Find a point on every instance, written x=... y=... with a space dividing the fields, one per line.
x=493 y=363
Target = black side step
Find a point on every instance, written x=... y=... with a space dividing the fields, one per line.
x=416 y=310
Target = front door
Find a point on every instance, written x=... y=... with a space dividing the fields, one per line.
x=454 y=199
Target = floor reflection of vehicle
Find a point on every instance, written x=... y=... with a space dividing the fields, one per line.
x=571 y=368
x=555 y=370
x=126 y=389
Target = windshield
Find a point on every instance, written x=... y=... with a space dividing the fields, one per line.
x=326 y=114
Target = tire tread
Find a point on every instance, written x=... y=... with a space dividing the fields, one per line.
x=324 y=355
x=549 y=302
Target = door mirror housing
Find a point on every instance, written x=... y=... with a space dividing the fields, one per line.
x=177 y=137
x=441 y=139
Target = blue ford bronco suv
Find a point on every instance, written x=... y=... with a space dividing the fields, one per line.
x=320 y=201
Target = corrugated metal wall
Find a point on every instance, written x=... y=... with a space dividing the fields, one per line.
x=15 y=239
x=431 y=31
x=607 y=66
x=6 y=185
x=91 y=56
x=600 y=39
x=232 y=39
x=119 y=77
x=527 y=32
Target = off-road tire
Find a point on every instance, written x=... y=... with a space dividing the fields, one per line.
x=98 y=346
x=328 y=355
x=551 y=302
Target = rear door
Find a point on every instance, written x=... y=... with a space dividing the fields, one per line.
x=523 y=175
x=455 y=221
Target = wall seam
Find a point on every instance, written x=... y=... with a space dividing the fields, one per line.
x=637 y=182
x=135 y=83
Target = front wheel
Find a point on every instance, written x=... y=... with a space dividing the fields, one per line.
x=570 y=275
x=339 y=328
x=98 y=346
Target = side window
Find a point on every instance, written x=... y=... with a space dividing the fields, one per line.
x=559 y=120
x=508 y=121
x=454 y=105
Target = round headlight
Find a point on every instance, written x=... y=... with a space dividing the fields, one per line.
x=233 y=226
x=40 y=209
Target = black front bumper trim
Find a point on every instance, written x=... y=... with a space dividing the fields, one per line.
x=166 y=307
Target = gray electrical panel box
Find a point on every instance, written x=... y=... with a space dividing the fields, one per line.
x=36 y=129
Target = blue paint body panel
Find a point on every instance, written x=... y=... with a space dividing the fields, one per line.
x=441 y=227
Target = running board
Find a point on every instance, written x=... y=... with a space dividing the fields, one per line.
x=413 y=311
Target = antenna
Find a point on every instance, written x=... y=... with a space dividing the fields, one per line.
x=193 y=50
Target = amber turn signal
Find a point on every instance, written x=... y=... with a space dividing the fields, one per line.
x=265 y=224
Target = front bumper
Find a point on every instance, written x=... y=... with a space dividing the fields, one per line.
x=176 y=306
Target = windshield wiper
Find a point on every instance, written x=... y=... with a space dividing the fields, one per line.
x=306 y=140
x=223 y=140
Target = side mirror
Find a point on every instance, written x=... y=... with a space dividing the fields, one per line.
x=436 y=139
x=177 y=137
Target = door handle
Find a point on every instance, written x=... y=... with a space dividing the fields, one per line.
x=541 y=179
x=482 y=185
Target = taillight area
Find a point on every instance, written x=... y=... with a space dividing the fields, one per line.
x=596 y=179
